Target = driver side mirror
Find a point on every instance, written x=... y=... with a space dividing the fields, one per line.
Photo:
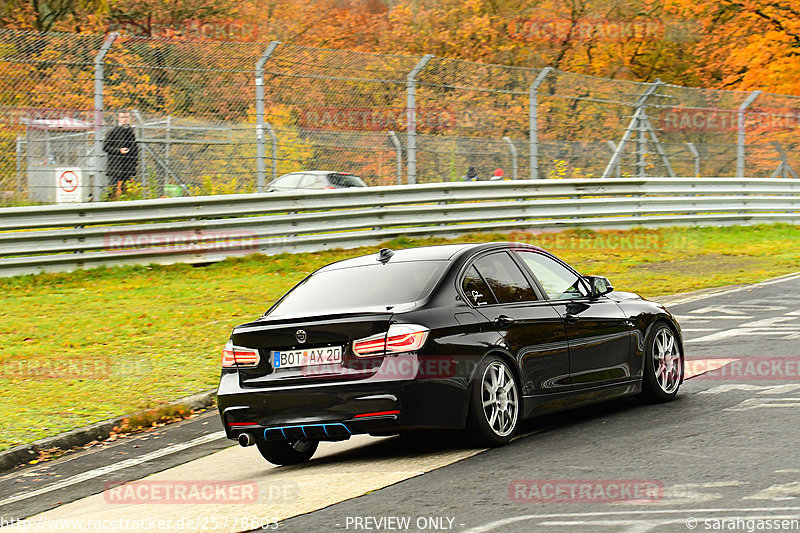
x=599 y=285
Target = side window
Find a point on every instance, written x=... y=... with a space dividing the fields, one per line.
x=476 y=289
x=342 y=181
x=504 y=277
x=559 y=282
x=289 y=181
x=312 y=181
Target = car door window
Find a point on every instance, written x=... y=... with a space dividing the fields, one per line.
x=289 y=181
x=344 y=181
x=505 y=279
x=559 y=282
x=475 y=288
x=312 y=181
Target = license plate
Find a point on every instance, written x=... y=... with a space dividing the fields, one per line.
x=307 y=357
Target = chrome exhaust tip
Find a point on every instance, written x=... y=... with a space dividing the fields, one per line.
x=246 y=439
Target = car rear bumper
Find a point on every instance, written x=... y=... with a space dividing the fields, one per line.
x=334 y=411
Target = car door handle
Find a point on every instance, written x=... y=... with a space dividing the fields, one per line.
x=570 y=319
x=504 y=321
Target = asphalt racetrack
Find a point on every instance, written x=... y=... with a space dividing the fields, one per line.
x=722 y=457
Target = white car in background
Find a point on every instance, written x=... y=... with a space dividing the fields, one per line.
x=315 y=180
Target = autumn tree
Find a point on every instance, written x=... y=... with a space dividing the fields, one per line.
x=50 y=15
x=746 y=44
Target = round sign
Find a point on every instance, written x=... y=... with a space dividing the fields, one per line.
x=68 y=181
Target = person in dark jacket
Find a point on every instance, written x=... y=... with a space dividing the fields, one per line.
x=123 y=154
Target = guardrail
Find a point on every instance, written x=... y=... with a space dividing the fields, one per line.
x=208 y=229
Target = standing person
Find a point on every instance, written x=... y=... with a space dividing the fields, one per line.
x=123 y=154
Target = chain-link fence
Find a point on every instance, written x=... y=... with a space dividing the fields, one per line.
x=219 y=117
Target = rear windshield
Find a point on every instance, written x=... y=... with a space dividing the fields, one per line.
x=375 y=285
x=343 y=181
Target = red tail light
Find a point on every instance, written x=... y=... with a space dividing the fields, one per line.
x=400 y=338
x=236 y=356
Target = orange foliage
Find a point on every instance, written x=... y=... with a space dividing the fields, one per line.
x=733 y=44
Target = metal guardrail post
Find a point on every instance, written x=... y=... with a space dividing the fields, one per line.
x=696 y=157
x=97 y=170
x=274 y=143
x=533 y=121
x=740 y=138
x=259 y=81
x=513 y=150
x=398 y=149
x=411 y=117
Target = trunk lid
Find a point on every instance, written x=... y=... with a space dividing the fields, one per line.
x=284 y=334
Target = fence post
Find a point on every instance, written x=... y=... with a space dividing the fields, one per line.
x=274 y=142
x=741 y=133
x=398 y=149
x=168 y=144
x=638 y=122
x=411 y=117
x=143 y=157
x=513 y=150
x=613 y=146
x=19 y=168
x=97 y=171
x=784 y=169
x=696 y=157
x=261 y=169
x=641 y=144
x=533 y=119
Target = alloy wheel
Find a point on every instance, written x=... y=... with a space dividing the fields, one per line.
x=666 y=361
x=499 y=398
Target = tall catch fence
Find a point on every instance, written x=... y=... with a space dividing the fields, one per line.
x=222 y=118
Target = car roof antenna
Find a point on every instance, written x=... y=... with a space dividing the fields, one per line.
x=384 y=255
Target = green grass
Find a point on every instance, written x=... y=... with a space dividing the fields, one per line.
x=82 y=347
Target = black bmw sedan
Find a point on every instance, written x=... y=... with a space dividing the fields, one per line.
x=468 y=336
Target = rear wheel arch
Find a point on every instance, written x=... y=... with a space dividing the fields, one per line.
x=505 y=401
x=506 y=356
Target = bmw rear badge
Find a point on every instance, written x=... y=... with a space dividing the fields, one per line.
x=301 y=336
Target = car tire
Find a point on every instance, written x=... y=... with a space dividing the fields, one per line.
x=495 y=403
x=663 y=365
x=285 y=452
